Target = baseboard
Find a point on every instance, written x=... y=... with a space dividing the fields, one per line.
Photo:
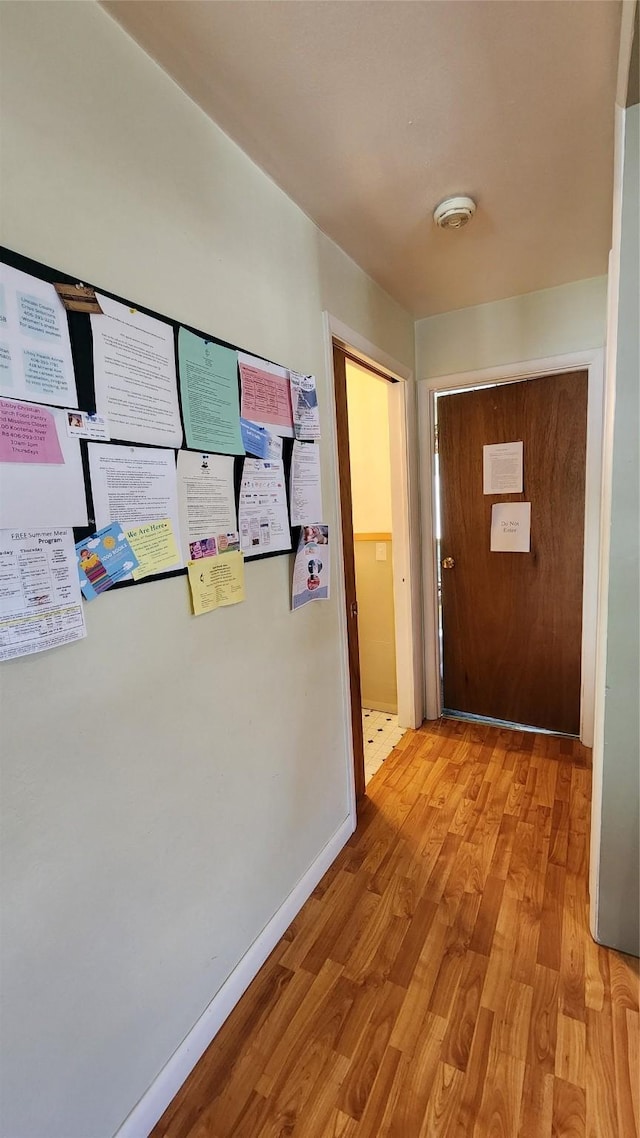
x=156 y=1099
x=376 y=705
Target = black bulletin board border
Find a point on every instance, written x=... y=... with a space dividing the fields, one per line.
x=82 y=353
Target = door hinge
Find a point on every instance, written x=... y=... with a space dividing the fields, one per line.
x=436 y=440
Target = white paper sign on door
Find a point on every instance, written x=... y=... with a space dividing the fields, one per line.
x=511 y=527
x=502 y=468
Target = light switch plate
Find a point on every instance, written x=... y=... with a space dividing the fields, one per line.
x=381 y=551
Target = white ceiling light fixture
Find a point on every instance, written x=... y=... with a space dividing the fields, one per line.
x=454 y=212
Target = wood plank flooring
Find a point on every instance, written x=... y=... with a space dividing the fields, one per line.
x=441 y=981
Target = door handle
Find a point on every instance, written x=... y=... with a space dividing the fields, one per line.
x=353 y=609
x=448 y=563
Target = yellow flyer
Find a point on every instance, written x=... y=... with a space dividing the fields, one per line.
x=216 y=581
x=155 y=547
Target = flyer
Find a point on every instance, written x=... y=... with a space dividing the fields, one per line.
x=216 y=582
x=103 y=559
x=311 y=569
x=135 y=375
x=266 y=395
x=259 y=442
x=306 y=488
x=262 y=515
x=35 y=352
x=155 y=548
x=304 y=403
x=41 y=478
x=210 y=399
x=87 y=425
x=206 y=505
x=40 y=602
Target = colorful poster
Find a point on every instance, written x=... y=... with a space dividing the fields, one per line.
x=35 y=349
x=206 y=504
x=262 y=514
x=216 y=582
x=40 y=602
x=155 y=548
x=304 y=403
x=209 y=389
x=103 y=559
x=42 y=486
x=306 y=488
x=311 y=569
x=259 y=442
x=28 y=434
x=266 y=396
x=135 y=375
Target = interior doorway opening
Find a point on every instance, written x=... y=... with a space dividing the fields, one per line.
x=345 y=344
x=372 y=527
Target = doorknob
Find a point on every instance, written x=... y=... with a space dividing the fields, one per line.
x=448 y=563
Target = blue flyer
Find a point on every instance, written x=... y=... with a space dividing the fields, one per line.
x=103 y=559
x=259 y=441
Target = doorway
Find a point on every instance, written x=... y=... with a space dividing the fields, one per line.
x=372 y=529
x=403 y=550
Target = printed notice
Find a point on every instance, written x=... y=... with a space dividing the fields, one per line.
x=216 y=582
x=304 y=403
x=502 y=468
x=210 y=400
x=311 y=568
x=40 y=602
x=41 y=479
x=511 y=527
x=306 y=490
x=35 y=349
x=262 y=515
x=206 y=504
x=103 y=559
x=86 y=425
x=134 y=486
x=28 y=434
x=266 y=395
x=135 y=375
x=155 y=548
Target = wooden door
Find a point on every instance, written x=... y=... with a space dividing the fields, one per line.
x=512 y=622
x=344 y=470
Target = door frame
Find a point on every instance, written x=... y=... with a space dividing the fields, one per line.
x=593 y=363
x=405 y=517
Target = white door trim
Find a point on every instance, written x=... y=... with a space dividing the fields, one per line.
x=593 y=362
x=405 y=511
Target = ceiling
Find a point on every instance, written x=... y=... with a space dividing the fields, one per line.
x=369 y=112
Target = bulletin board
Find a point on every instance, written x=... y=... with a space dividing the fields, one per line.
x=82 y=349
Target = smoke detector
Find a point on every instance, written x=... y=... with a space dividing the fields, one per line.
x=454 y=212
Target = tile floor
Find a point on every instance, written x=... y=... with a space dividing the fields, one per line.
x=381 y=733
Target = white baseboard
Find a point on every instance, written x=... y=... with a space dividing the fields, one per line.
x=164 y=1088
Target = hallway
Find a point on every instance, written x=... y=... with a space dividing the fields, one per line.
x=441 y=981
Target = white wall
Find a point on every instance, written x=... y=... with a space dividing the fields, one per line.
x=161 y=790
x=617 y=751
x=554 y=321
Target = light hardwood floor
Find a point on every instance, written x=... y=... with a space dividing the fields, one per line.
x=441 y=982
